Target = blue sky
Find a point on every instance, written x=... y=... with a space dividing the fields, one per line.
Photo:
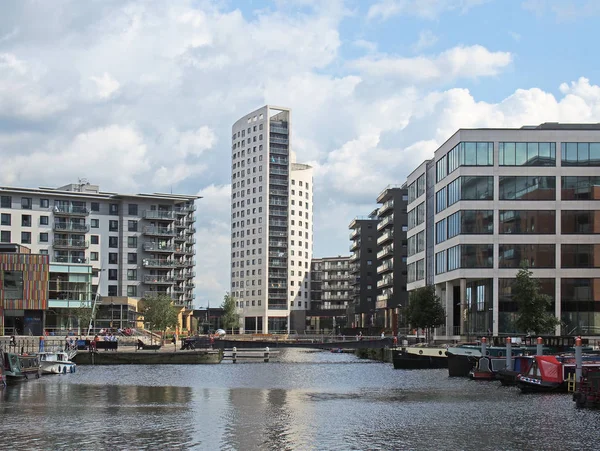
x=140 y=96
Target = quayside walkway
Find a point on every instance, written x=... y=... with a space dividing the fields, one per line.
x=333 y=343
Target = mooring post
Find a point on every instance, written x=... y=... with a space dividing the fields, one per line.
x=234 y=354
x=540 y=346
x=578 y=360
x=267 y=354
x=508 y=354
x=483 y=346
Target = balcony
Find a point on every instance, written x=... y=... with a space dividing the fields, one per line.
x=385 y=281
x=157 y=247
x=180 y=225
x=336 y=297
x=157 y=263
x=190 y=251
x=380 y=305
x=278 y=192
x=185 y=263
x=279 y=160
x=387 y=250
x=278 y=181
x=70 y=210
x=185 y=209
x=160 y=215
x=282 y=213
x=386 y=236
x=319 y=306
x=70 y=259
x=274 y=223
x=180 y=237
x=335 y=287
x=386 y=295
x=385 y=207
x=277 y=254
x=151 y=294
x=277 y=202
x=180 y=277
x=278 y=243
x=388 y=265
x=281 y=285
x=354 y=232
x=276 y=233
x=278 y=140
x=328 y=276
x=280 y=130
x=355 y=245
x=70 y=244
x=278 y=150
x=73 y=228
x=277 y=275
x=190 y=274
x=158 y=231
x=277 y=171
x=190 y=231
x=388 y=220
x=355 y=257
x=151 y=279
x=277 y=296
x=179 y=250
x=277 y=264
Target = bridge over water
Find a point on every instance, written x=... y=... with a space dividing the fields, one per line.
x=225 y=343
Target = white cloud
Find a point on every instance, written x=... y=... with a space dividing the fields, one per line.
x=426 y=39
x=458 y=62
x=106 y=85
x=169 y=176
x=424 y=9
x=195 y=142
x=367 y=45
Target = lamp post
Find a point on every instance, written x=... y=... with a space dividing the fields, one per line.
x=112 y=313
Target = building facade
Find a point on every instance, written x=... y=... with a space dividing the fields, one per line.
x=271 y=223
x=493 y=199
x=331 y=294
x=363 y=268
x=136 y=244
x=392 y=226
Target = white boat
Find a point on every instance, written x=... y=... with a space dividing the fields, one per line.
x=56 y=363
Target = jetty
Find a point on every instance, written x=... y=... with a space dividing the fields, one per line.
x=163 y=356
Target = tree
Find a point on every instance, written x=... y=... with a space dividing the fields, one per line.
x=425 y=310
x=231 y=319
x=533 y=307
x=159 y=312
x=84 y=316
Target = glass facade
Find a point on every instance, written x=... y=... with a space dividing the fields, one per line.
x=469 y=188
x=465 y=154
x=534 y=255
x=416 y=243
x=580 y=154
x=470 y=256
x=416 y=189
x=416 y=271
x=580 y=306
x=416 y=216
x=527 y=188
x=580 y=255
x=580 y=221
x=479 y=308
x=465 y=222
x=518 y=222
x=526 y=154
x=580 y=188
x=507 y=308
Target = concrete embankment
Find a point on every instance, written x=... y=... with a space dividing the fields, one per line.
x=148 y=357
x=379 y=354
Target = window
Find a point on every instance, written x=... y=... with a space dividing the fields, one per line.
x=25 y=220
x=113 y=226
x=44 y=220
x=112 y=290
x=25 y=237
x=26 y=203
x=518 y=222
x=527 y=188
x=132 y=258
x=131 y=291
x=132 y=226
x=527 y=154
x=113 y=258
x=580 y=154
x=416 y=216
x=440 y=200
x=44 y=203
x=580 y=188
x=132 y=274
x=440 y=262
x=440 y=231
x=132 y=209
x=94 y=239
x=113 y=209
x=132 y=241
x=580 y=256
x=534 y=255
x=12 y=283
x=95 y=223
x=113 y=274
x=95 y=206
x=5 y=236
x=5 y=219
x=94 y=256
x=5 y=202
x=579 y=221
x=43 y=237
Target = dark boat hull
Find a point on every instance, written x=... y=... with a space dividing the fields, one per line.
x=460 y=365
x=406 y=361
x=536 y=385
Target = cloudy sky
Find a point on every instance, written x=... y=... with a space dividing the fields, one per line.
x=140 y=96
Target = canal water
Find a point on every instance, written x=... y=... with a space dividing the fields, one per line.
x=306 y=400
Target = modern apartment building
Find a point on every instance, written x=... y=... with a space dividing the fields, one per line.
x=363 y=267
x=492 y=199
x=331 y=294
x=271 y=223
x=136 y=244
x=392 y=297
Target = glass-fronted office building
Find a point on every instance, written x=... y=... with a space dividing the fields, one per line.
x=492 y=199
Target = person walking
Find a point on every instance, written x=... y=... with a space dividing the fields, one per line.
x=42 y=343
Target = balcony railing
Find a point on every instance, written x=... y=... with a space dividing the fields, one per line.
x=336 y=297
x=185 y=263
x=387 y=250
x=157 y=263
x=278 y=140
x=278 y=150
x=73 y=228
x=281 y=130
x=277 y=202
x=334 y=287
x=277 y=264
x=151 y=279
x=385 y=221
x=386 y=206
x=70 y=210
x=355 y=245
x=190 y=230
x=71 y=244
x=354 y=233
x=278 y=243
x=277 y=254
x=381 y=305
x=276 y=233
x=69 y=259
x=277 y=223
x=282 y=285
x=278 y=181
x=156 y=247
x=158 y=231
x=387 y=280
x=278 y=171
x=282 y=213
x=186 y=209
x=279 y=160
x=355 y=256
x=277 y=296
x=388 y=265
x=328 y=276
x=277 y=275
x=386 y=236
x=278 y=192
x=190 y=274
x=158 y=214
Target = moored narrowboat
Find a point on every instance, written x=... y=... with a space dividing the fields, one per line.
x=550 y=373
x=20 y=366
x=419 y=358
